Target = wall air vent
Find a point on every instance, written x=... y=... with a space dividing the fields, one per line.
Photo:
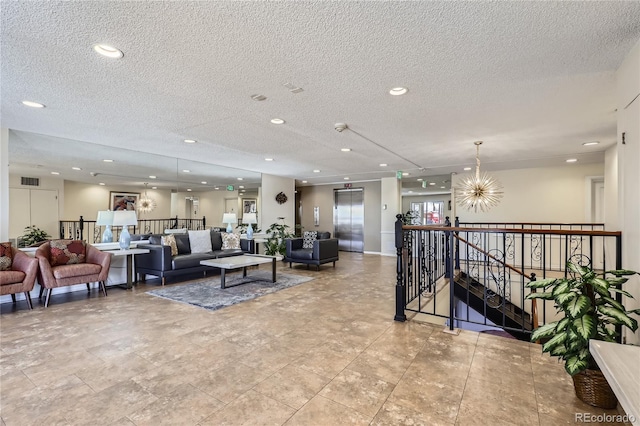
x=29 y=181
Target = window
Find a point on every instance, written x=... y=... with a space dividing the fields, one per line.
x=428 y=212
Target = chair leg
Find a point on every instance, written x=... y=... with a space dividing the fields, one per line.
x=317 y=267
x=46 y=301
x=88 y=287
x=289 y=264
x=13 y=297
x=163 y=280
x=41 y=290
x=28 y=297
x=103 y=288
x=334 y=264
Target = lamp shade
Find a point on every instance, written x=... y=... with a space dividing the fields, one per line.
x=124 y=218
x=105 y=217
x=229 y=218
x=249 y=218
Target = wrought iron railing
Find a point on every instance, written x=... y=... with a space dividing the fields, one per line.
x=489 y=268
x=88 y=230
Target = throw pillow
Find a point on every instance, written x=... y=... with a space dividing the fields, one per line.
x=200 y=241
x=67 y=252
x=6 y=256
x=170 y=240
x=308 y=237
x=230 y=241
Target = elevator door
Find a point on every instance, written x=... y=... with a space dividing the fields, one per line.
x=348 y=219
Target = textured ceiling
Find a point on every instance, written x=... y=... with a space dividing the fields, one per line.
x=533 y=80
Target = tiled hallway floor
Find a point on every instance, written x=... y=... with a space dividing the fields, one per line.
x=326 y=352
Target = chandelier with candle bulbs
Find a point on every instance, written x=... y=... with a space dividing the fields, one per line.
x=146 y=204
x=479 y=191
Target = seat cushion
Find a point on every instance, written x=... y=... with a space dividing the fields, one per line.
x=67 y=252
x=183 y=261
x=200 y=241
x=6 y=256
x=11 y=277
x=75 y=270
x=303 y=253
x=308 y=237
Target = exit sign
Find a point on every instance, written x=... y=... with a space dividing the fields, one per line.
x=399 y=174
x=230 y=188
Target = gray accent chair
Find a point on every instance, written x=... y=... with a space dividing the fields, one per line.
x=325 y=250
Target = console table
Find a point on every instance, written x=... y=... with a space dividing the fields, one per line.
x=129 y=253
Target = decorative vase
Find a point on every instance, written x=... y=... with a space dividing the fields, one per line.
x=592 y=388
x=249 y=232
x=229 y=228
x=125 y=238
x=107 y=235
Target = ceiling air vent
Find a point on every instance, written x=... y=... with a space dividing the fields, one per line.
x=293 y=88
x=30 y=181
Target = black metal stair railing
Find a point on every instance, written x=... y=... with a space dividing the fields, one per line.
x=488 y=269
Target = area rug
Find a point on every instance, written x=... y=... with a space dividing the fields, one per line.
x=208 y=294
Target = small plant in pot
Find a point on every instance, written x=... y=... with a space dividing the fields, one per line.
x=33 y=236
x=591 y=311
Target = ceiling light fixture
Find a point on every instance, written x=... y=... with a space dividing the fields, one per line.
x=304 y=181
x=590 y=143
x=190 y=141
x=108 y=51
x=268 y=159
x=204 y=182
x=108 y=161
x=55 y=173
x=186 y=171
x=152 y=177
x=146 y=204
x=32 y=104
x=241 y=186
x=240 y=179
x=572 y=160
x=154 y=187
x=397 y=91
x=466 y=169
x=188 y=189
x=258 y=97
x=316 y=171
x=277 y=121
x=76 y=168
x=419 y=179
x=346 y=178
x=101 y=184
x=405 y=173
x=383 y=164
x=479 y=191
x=432 y=183
x=346 y=150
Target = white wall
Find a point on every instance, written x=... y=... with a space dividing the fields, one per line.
x=4 y=184
x=554 y=194
x=628 y=115
x=269 y=209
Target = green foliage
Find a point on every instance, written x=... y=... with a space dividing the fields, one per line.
x=590 y=312
x=276 y=235
x=409 y=217
x=32 y=235
x=243 y=227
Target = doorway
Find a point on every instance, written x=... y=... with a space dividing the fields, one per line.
x=348 y=219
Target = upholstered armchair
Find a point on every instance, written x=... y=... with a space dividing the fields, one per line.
x=315 y=248
x=21 y=277
x=69 y=262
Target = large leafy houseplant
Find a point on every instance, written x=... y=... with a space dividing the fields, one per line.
x=276 y=235
x=590 y=312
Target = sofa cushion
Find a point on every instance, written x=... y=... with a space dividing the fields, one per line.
x=170 y=240
x=308 y=237
x=140 y=237
x=182 y=240
x=200 y=241
x=230 y=241
x=6 y=256
x=303 y=253
x=155 y=239
x=216 y=240
x=228 y=253
x=324 y=235
x=67 y=252
x=183 y=261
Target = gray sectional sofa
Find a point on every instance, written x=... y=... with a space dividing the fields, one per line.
x=160 y=263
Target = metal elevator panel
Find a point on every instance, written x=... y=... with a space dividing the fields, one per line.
x=348 y=219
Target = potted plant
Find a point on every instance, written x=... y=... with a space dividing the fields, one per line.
x=33 y=235
x=276 y=234
x=590 y=311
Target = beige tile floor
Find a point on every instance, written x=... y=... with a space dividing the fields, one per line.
x=326 y=352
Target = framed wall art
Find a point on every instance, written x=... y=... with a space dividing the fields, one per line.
x=249 y=205
x=123 y=200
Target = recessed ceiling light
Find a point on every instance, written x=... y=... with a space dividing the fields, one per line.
x=154 y=187
x=76 y=168
x=242 y=190
x=397 y=91
x=346 y=178
x=204 y=182
x=240 y=179
x=572 y=160
x=268 y=159
x=108 y=161
x=432 y=183
x=108 y=51
x=186 y=171
x=442 y=187
x=188 y=189
x=419 y=179
x=345 y=149
x=277 y=121
x=32 y=104
x=316 y=171
x=101 y=183
x=383 y=164
x=466 y=169
x=405 y=174
x=190 y=141
x=241 y=186
x=304 y=181
x=55 y=173
x=410 y=192
x=216 y=188
x=152 y=177
x=258 y=97
x=590 y=143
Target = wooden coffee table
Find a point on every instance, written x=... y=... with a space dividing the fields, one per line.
x=237 y=262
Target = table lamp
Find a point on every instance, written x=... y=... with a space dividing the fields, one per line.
x=105 y=218
x=229 y=218
x=249 y=219
x=124 y=218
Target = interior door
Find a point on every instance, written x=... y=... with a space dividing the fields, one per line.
x=44 y=210
x=348 y=219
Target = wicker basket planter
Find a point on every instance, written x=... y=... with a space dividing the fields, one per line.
x=592 y=388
